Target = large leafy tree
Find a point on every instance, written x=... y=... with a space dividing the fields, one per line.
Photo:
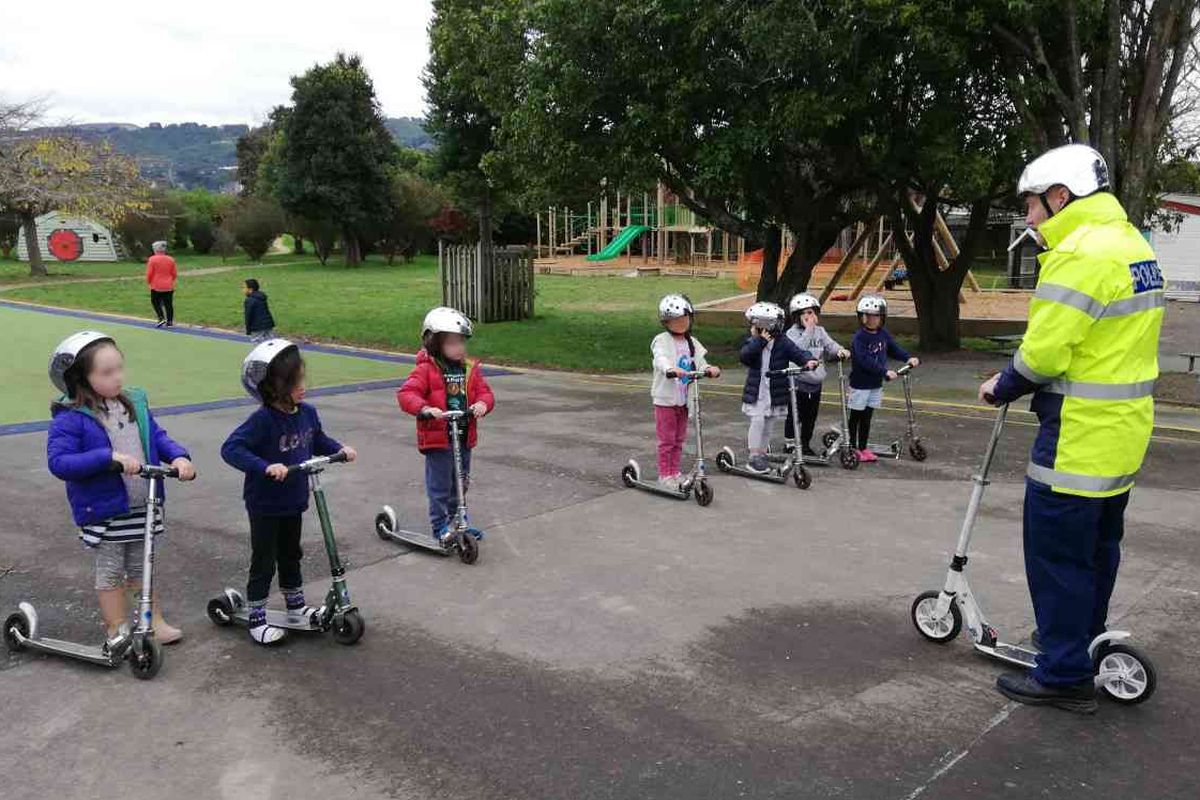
x=334 y=152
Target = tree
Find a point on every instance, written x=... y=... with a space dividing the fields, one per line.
x=256 y=222
x=202 y=235
x=63 y=173
x=10 y=229
x=1108 y=73
x=138 y=230
x=414 y=203
x=334 y=151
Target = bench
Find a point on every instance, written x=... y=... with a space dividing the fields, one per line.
x=1191 y=357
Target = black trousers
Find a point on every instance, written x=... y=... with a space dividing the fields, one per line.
x=274 y=541
x=860 y=427
x=164 y=305
x=808 y=403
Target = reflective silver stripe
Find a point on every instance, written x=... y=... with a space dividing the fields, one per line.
x=1070 y=480
x=1070 y=297
x=1102 y=391
x=1028 y=372
x=1145 y=301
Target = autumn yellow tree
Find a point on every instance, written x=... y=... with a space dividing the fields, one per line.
x=64 y=173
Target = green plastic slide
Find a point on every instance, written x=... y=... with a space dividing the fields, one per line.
x=617 y=245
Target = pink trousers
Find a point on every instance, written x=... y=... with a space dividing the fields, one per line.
x=671 y=423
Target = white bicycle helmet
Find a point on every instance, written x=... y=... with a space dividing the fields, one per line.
x=803 y=301
x=766 y=316
x=444 y=319
x=674 y=306
x=256 y=364
x=872 y=304
x=1075 y=166
x=65 y=354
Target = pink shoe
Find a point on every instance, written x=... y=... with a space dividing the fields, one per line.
x=866 y=456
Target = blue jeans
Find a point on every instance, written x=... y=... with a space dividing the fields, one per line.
x=1072 y=551
x=439 y=486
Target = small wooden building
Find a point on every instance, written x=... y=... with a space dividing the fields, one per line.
x=63 y=237
x=1179 y=250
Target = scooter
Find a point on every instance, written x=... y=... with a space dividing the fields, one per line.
x=1123 y=672
x=461 y=538
x=790 y=463
x=337 y=613
x=836 y=441
x=138 y=645
x=696 y=483
x=915 y=448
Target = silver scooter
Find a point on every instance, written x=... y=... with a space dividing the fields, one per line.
x=138 y=645
x=337 y=613
x=696 y=483
x=915 y=448
x=462 y=538
x=836 y=441
x=1123 y=672
x=788 y=464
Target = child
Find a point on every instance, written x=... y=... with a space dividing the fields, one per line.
x=445 y=380
x=260 y=325
x=96 y=424
x=870 y=347
x=283 y=431
x=807 y=332
x=674 y=350
x=765 y=397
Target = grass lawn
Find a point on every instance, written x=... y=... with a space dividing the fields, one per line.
x=594 y=324
x=13 y=271
x=212 y=373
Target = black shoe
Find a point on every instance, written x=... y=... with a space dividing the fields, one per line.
x=160 y=323
x=170 y=324
x=807 y=451
x=1080 y=698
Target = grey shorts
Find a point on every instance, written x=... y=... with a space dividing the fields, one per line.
x=861 y=398
x=118 y=563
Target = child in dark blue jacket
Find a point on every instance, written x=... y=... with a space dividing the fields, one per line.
x=100 y=435
x=870 y=349
x=765 y=397
x=282 y=432
x=260 y=325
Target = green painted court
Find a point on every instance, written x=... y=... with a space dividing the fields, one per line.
x=176 y=367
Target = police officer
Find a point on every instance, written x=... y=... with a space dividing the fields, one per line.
x=1090 y=359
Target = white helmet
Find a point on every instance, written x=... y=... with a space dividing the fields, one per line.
x=65 y=354
x=256 y=364
x=802 y=301
x=766 y=316
x=674 y=306
x=444 y=319
x=1075 y=166
x=872 y=304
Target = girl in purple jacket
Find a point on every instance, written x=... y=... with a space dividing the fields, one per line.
x=98 y=425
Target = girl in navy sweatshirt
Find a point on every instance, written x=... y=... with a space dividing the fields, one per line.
x=870 y=349
x=282 y=432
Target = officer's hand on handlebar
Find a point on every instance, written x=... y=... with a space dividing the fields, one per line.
x=185 y=468
x=712 y=372
x=278 y=472
x=987 y=390
x=129 y=464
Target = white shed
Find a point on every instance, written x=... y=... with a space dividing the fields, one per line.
x=62 y=237
x=1179 y=251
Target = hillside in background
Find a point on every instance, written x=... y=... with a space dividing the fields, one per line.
x=189 y=155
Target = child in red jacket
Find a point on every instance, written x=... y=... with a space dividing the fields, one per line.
x=444 y=380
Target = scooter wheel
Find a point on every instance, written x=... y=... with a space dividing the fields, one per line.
x=383 y=525
x=468 y=549
x=849 y=459
x=703 y=493
x=724 y=461
x=801 y=478
x=629 y=476
x=917 y=451
x=220 y=612
x=935 y=629
x=1133 y=678
x=829 y=438
x=350 y=628
x=145 y=665
x=19 y=623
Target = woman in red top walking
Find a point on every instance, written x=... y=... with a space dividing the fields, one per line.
x=444 y=379
x=160 y=276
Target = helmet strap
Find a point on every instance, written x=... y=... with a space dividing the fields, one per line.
x=1046 y=203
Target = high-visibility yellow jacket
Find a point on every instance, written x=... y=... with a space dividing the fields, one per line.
x=1090 y=353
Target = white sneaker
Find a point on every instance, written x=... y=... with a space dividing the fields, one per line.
x=267 y=634
x=300 y=616
x=670 y=482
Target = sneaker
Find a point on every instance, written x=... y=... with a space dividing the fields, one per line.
x=866 y=456
x=759 y=462
x=301 y=615
x=444 y=536
x=170 y=324
x=475 y=532
x=789 y=446
x=160 y=323
x=670 y=482
x=806 y=450
x=1022 y=687
x=267 y=635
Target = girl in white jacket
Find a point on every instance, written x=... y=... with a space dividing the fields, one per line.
x=675 y=350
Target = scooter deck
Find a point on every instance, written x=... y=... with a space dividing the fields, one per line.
x=1013 y=654
x=422 y=540
x=654 y=488
x=83 y=652
x=773 y=476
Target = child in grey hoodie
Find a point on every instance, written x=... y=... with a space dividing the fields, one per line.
x=804 y=311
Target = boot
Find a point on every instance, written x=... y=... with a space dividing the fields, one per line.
x=1022 y=687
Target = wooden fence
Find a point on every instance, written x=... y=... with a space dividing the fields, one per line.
x=493 y=289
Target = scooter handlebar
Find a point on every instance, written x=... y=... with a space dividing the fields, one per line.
x=792 y=370
x=448 y=416
x=692 y=374
x=907 y=368
x=147 y=471
x=317 y=463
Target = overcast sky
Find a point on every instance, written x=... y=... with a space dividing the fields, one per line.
x=215 y=61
